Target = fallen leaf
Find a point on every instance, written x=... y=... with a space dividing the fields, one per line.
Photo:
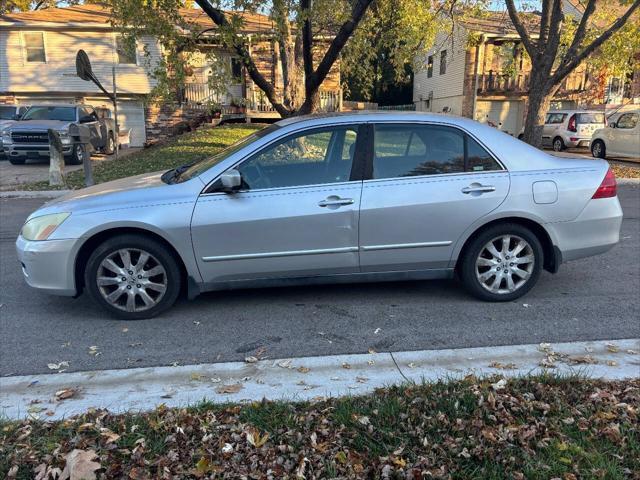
x=364 y=420
x=583 y=359
x=80 y=465
x=372 y=351
x=499 y=385
x=632 y=352
x=346 y=366
x=125 y=330
x=612 y=363
x=251 y=359
x=57 y=366
x=228 y=448
x=526 y=305
x=93 y=350
x=303 y=369
x=362 y=379
x=285 y=364
x=197 y=376
x=66 y=393
x=256 y=439
x=411 y=365
x=613 y=348
x=503 y=366
x=235 y=388
x=377 y=331
x=108 y=435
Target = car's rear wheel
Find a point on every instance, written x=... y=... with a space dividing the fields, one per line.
x=110 y=147
x=598 y=149
x=558 y=144
x=133 y=277
x=502 y=263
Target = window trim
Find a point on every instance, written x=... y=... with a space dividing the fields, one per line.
x=358 y=167
x=24 y=47
x=116 y=36
x=465 y=133
x=443 y=62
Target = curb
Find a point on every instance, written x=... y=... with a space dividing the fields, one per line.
x=33 y=193
x=306 y=378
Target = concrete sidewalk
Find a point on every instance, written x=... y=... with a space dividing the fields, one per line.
x=305 y=378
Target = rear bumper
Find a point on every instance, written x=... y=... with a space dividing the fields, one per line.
x=48 y=265
x=578 y=142
x=594 y=231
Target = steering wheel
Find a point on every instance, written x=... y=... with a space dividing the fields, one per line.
x=254 y=176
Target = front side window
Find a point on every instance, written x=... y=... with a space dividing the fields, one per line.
x=34 y=47
x=126 y=51
x=7 y=113
x=309 y=158
x=414 y=150
x=443 y=62
x=628 y=120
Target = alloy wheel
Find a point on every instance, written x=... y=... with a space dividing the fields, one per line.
x=132 y=280
x=505 y=264
x=557 y=145
x=597 y=150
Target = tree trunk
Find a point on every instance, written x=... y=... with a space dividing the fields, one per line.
x=541 y=93
x=311 y=103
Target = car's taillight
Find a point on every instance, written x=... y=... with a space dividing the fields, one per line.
x=608 y=188
x=572 y=124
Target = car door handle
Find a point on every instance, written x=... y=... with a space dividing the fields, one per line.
x=335 y=201
x=477 y=188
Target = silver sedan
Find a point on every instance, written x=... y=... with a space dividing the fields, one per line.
x=325 y=199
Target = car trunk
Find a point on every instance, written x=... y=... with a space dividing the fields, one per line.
x=587 y=123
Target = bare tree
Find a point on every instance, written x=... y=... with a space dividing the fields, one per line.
x=550 y=63
x=287 y=104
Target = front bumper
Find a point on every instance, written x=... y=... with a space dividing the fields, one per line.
x=596 y=230
x=48 y=265
x=32 y=151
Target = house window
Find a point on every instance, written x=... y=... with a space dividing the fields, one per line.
x=430 y=66
x=443 y=62
x=126 y=51
x=34 y=47
x=236 y=70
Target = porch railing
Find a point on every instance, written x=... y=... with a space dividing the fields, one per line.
x=498 y=82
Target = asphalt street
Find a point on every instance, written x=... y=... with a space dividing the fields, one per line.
x=591 y=299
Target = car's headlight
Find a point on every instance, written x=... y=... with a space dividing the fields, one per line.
x=6 y=137
x=65 y=139
x=40 y=228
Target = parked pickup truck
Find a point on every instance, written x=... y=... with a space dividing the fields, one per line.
x=8 y=115
x=28 y=138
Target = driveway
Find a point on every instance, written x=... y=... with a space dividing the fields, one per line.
x=591 y=299
x=38 y=170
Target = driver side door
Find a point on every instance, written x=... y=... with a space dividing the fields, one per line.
x=295 y=215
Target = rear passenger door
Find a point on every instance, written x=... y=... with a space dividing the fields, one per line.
x=426 y=185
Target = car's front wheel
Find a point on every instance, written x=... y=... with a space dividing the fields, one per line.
x=78 y=155
x=598 y=149
x=133 y=277
x=502 y=263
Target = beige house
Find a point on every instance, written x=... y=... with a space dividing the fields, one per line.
x=37 y=65
x=479 y=71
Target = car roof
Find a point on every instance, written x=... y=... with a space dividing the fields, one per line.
x=576 y=111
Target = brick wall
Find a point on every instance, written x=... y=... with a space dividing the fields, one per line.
x=166 y=120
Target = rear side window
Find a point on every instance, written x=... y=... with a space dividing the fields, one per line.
x=414 y=150
x=590 y=118
x=555 y=118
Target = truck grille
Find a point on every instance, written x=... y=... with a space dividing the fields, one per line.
x=30 y=137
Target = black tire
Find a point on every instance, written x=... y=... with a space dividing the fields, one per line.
x=77 y=156
x=17 y=160
x=467 y=265
x=521 y=137
x=598 y=149
x=110 y=147
x=558 y=144
x=158 y=252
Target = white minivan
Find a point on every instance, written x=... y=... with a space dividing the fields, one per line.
x=620 y=139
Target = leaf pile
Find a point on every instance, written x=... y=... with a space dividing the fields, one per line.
x=543 y=427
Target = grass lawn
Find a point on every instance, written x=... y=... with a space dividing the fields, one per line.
x=183 y=149
x=541 y=427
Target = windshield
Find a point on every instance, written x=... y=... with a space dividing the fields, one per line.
x=591 y=118
x=7 y=113
x=206 y=163
x=65 y=114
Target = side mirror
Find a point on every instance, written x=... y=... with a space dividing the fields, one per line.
x=230 y=181
x=86 y=119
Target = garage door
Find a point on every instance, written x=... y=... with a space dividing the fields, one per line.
x=131 y=117
x=503 y=114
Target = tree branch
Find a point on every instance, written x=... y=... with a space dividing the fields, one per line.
x=581 y=30
x=241 y=48
x=553 y=40
x=567 y=68
x=339 y=41
x=307 y=46
x=545 y=18
x=521 y=29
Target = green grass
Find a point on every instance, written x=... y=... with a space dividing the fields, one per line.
x=186 y=148
x=535 y=428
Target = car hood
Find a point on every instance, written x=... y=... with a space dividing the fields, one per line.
x=137 y=191
x=5 y=123
x=40 y=125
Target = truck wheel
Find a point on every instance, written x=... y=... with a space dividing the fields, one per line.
x=110 y=147
x=17 y=160
x=77 y=156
